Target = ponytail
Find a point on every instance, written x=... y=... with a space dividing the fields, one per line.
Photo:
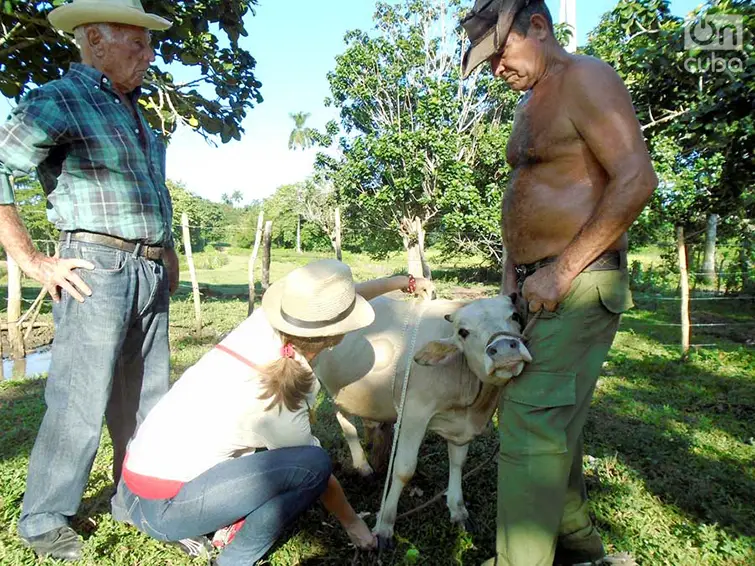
x=287 y=382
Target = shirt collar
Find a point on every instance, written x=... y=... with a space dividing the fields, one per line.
x=92 y=77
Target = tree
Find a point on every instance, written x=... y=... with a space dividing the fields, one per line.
x=232 y=199
x=206 y=219
x=411 y=127
x=213 y=100
x=321 y=209
x=301 y=137
x=284 y=209
x=698 y=121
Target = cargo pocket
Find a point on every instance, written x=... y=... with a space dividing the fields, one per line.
x=616 y=296
x=538 y=406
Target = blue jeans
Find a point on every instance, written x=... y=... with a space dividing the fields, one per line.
x=110 y=357
x=269 y=489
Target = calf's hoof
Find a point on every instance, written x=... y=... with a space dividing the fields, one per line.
x=366 y=471
x=384 y=543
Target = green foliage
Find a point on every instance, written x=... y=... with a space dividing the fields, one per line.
x=411 y=131
x=698 y=121
x=301 y=137
x=32 y=207
x=207 y=221
x=204 y=37
x=284 y=208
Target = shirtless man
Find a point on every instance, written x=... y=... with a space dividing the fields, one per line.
x=581 y=175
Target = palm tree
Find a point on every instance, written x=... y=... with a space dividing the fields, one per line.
x=301 y=136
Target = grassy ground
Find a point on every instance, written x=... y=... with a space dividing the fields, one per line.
x=670 y=446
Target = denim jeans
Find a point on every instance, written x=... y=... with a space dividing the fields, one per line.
x=110 y=357
x=269 y=489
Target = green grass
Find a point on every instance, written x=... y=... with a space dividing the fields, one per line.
x=670 y=446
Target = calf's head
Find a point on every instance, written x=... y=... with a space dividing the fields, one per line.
x=488 y=333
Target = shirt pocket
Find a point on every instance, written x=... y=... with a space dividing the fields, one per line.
x=540 y=407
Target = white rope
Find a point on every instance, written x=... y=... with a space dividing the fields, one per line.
x=405 y=386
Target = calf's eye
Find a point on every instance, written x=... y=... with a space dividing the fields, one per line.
x=463 y=332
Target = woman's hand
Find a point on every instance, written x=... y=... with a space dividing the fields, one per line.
x=360 y=534
x=424 y=289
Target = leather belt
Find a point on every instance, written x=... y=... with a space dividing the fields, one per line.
x=607 y=261
x=154 y=253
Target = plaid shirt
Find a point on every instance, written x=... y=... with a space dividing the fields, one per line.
x=102 y=169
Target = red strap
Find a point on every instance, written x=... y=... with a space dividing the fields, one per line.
x=239 y=357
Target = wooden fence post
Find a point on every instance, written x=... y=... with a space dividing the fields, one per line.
x=684 y=286
x=15 y=337
x=192 y=273
x=338 y=233
x=267 y=242
x=253 y=261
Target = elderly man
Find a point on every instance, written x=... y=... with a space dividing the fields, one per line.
x=103 y=171
x=581 y=175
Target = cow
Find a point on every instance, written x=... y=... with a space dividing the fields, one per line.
x=460 y=355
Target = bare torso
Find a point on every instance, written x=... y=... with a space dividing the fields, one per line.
x=556 y=181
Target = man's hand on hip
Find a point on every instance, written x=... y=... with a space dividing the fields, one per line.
x=546 y=288
x=53 y=272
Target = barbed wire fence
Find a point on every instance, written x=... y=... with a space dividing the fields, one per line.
x=23 y=312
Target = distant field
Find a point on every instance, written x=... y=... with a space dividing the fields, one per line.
x=670 y=456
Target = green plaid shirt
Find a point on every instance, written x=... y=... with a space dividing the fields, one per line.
x=101 y=169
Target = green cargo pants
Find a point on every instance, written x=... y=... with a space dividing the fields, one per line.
x=542 y=503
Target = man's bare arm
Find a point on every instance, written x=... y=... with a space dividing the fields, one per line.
x=49 y=271
x=601 y=109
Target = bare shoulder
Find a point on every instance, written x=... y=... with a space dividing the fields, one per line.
x=587 y=73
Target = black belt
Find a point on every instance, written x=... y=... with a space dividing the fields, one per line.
x=153 y=253
x=607 y=261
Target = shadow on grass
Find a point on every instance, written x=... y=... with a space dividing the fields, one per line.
x=674 y=425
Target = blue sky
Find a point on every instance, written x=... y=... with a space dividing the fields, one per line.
x=295 y=44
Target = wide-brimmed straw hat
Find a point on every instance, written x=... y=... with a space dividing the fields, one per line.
x=80 y=12
x=487 y=26
x=317 y=299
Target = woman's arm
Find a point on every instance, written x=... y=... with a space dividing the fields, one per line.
x=334 y=500
x=376 y=287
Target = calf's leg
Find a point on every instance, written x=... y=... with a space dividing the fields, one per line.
x=358 y=458
x=457 y=455
x=410 y=439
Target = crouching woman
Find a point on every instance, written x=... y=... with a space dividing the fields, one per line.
x=196 y=464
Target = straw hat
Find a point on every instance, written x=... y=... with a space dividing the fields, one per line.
x=317 y=299
x=80 y=12
x=487 y=26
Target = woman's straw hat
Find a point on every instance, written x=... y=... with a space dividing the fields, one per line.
x=317 y=299
x=80 y=12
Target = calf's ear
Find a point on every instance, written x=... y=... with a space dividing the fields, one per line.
x=437 y=353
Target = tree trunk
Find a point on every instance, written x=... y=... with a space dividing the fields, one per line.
x=192 y=273
x=267 y=242
x=15 y=338
x=684 y=285
x=298 y=233
x=744 y=258
x=414 y=243
x=337 y=236
x=709 y=259
x=253 y=261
